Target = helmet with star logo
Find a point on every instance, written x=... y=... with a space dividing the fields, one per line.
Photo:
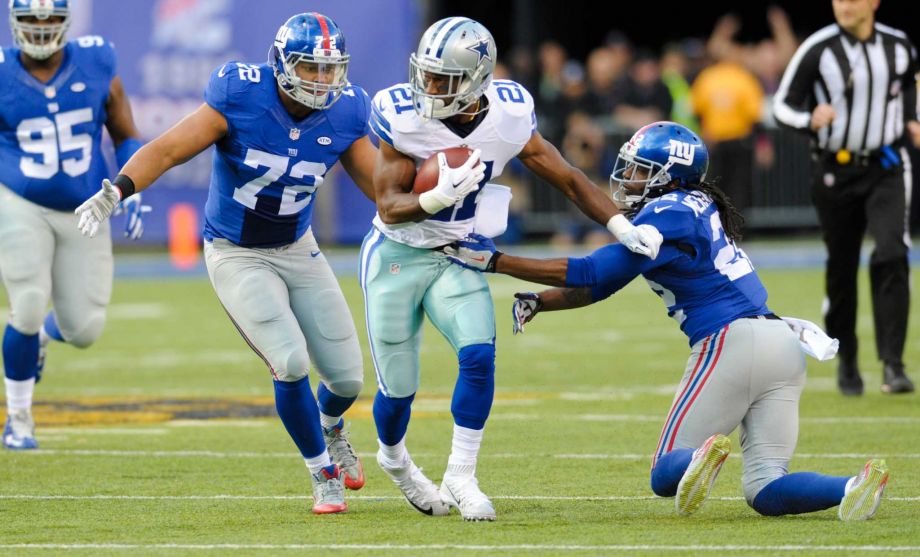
x=452 y=67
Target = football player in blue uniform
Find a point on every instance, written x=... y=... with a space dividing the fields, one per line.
x=278 y=127
x=55 y=100
x=746 y=365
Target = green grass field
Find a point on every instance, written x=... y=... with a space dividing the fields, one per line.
x=130 y=464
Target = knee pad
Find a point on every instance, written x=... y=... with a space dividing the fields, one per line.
x=291 y=366
x=88 y=334
x=345 y=389
x=27 y=310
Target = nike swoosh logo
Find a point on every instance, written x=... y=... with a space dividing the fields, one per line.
x=660 y=209
x=221 y=72
x=314 y=253
x=481 y=258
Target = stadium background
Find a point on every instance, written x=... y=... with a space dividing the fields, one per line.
x=167 y=49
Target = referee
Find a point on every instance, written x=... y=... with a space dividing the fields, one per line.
x=852 y=86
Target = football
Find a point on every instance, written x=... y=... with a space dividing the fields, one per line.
x=426 y=177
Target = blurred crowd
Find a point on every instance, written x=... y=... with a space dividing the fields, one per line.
x=719 y=87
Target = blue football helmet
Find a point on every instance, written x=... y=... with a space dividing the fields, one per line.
x=32 y=29
x=660 y=157
x=309 y=60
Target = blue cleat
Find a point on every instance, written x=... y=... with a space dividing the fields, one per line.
x=19 y=432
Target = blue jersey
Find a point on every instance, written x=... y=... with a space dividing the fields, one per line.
x=705 y=280
x=268 y=166
x=50 y=133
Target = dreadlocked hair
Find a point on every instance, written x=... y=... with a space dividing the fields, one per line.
x=732 y=220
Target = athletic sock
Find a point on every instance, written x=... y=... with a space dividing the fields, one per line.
x=464 y=450
x=668 y=471
x=19 y=394
x=300 y=416
x=802 y=492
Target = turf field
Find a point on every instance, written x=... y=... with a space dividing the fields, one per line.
x=159 y=441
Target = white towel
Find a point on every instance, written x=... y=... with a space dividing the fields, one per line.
x=813 y=339
x=492 y=210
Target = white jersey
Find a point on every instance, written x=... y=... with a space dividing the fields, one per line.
x=501 y=135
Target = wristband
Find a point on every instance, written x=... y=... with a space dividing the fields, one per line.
x=493 y=261
x=125 y=185
x=618 y=225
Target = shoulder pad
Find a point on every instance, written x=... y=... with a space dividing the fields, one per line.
x=511 y=96
x=392 y=111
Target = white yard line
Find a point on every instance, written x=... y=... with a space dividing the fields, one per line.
x=27 y=497
x=293 y=455
x=470 y=547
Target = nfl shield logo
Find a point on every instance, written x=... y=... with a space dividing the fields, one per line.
x=295 y=134
x=394 y=268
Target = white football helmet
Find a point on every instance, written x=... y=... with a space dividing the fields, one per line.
x=460 y=53
x=39 y=39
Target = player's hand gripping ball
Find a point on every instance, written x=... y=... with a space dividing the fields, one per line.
x=426 y=178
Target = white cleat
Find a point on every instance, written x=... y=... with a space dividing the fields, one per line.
x=696 y=483
x=419 y=491
x=19 y=432
x=865 y=494
x=462 y=492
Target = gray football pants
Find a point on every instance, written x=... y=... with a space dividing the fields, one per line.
x=288 y=306
x=44 y=258
x=750 y=373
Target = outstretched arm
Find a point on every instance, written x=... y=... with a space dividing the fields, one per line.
x=192 y=135
x=545 y=161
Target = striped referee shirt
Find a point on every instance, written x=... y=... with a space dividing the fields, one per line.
x=871 y=84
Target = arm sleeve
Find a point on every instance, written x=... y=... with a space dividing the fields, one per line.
x=607 y=270
x=794 y=100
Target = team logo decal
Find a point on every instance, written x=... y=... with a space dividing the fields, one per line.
x=295 y=134
x=324 y=140
x=680 y=152
x=482 y=49
x=78 y=87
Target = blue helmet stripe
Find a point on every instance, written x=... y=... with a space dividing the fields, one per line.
x=447 y=36
x=435 y=34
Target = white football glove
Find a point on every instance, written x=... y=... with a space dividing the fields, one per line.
x=525 y=308
x=454 y=184
x=97 y=208
x=643 y=239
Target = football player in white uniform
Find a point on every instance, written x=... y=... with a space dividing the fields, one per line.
x=451 y=100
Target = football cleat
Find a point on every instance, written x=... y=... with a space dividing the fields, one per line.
x=419 y=491
x=462 y=492
x=696 y=483
x=865 y=494
x=328 y=491
x=19 y=432
x=344 y=455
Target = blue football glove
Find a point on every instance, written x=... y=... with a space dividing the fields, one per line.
x=134 y=209
x=474 y=252
x=525 y=308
